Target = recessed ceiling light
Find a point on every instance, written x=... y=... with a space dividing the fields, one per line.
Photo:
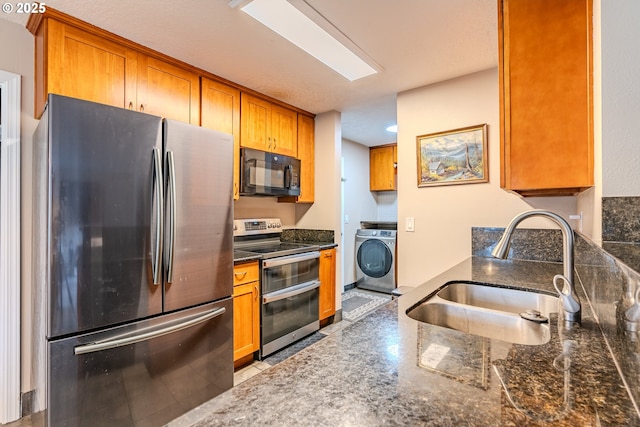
x=392 y=128
x=312 y=33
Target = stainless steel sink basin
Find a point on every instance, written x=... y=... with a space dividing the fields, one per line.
x=514 y=315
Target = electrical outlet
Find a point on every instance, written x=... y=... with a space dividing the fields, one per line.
x=409 y=224
x=346 y=218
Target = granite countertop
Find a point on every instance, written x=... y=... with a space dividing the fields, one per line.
x=388 y=369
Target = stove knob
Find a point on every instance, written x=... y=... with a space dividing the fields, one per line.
x=374 y=233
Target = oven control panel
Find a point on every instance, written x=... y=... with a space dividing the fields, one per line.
x=247 y=227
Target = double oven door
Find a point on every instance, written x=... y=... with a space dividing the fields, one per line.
x=290 y=293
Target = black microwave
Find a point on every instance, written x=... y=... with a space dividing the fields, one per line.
x=268 y=174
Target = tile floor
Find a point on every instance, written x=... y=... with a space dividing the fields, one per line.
x=352 y=311
x=356 y=303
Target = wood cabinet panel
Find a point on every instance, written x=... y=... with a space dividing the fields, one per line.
x=245 y=273
x=246 y=319
x=382 y=170
x=255 y=123
x=546 y=86
x=246 y=309
x=284 y=131
x=220 y=110
x=268 y=127
x=80 y=65
x=306 y=154
x=168 y=91
x=327 y=274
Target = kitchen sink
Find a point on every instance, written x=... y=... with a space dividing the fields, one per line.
x=518 y=316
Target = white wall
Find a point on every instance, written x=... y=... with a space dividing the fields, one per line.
x=620 y=97
x=324 y=213
x=265 y=207
x=444 y=215
x=359 y=202
x=16 y=45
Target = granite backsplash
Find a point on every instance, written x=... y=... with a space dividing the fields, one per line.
x=609 y=283
x=302 y=235
x=621 y=229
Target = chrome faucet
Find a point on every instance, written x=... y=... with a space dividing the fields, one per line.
x=568 y=296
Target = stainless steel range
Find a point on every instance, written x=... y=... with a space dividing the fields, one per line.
x=288 y=280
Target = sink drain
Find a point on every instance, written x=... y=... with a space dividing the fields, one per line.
x=534 y=316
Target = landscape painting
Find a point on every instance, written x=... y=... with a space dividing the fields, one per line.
x=457 y=156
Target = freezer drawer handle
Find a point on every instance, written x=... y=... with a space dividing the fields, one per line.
x=290 y=292
x=157 y=191
x=145 y=334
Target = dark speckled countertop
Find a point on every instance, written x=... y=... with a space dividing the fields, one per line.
x=388 y=369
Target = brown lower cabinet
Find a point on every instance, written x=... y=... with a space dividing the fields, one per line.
x=246 y=310
x=327 y=275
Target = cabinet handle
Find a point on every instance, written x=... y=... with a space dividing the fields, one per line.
x=235 y=188
x=142 y=108
x=269 y=142
x=275 y=143
x=130 y=105
x=240 y=275
x=255 y=291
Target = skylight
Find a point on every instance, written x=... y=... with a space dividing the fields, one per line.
x=310 y=35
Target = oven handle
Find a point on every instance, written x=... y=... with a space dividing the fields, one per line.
x=290 y=291
x=290 y=259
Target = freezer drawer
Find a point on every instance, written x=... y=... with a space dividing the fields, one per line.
x=146 y=373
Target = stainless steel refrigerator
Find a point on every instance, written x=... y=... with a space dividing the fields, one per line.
x=133 y=261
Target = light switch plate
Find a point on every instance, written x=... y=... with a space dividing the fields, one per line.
x=409 y=224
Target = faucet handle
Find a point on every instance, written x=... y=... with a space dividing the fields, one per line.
x=570 y=302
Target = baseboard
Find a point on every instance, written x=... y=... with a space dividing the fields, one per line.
x=349 y=286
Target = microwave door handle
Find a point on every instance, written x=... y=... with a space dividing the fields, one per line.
x=288 y=177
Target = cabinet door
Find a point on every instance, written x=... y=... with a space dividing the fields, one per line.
x=220 y=110
x=546 y=86
x=284 y=131
x=81 y=65
x=246 y=319
x=306 y=147
x=255 y=122
x=168 y=91
x=381 y=169
x=327 y=273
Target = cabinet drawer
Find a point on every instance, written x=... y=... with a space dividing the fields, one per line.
x=245 y=273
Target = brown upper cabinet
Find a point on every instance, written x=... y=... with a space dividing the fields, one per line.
x=75 y=59
x=382 y=167
x=546 y=96
x=168 y=91
x=268 y=127
x=75 y=63
x=220 y=110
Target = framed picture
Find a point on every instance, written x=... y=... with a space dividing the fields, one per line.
x=457 y=156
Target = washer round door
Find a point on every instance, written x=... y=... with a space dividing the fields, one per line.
x=374 y=258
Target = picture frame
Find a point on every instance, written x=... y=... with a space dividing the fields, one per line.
x=457 y=156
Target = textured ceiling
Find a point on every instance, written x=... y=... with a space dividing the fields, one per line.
x=416 y=42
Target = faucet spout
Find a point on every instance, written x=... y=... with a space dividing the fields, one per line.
x=570 y=302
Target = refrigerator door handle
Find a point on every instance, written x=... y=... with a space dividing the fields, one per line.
x=146 y=334
x=157 y=193
x=171 y=212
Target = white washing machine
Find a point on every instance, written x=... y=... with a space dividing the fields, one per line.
x=376 y=260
